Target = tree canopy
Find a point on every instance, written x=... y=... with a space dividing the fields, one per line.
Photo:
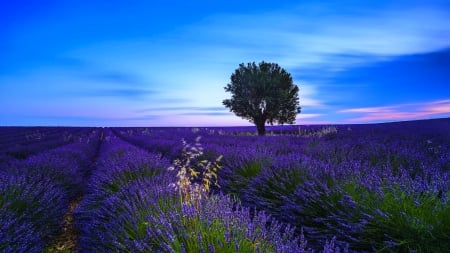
x=263 y=93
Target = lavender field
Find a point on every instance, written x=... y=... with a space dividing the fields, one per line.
x=343 y=188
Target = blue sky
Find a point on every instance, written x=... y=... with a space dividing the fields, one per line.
x=165 y=63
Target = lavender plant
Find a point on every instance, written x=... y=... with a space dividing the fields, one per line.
x=35 y=195
x=144 y=215
x=381 y=187
x=221 y=225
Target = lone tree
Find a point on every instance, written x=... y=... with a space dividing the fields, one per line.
x=263 y=93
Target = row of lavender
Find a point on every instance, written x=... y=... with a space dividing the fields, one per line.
x=378 y=187
x=35 y=191
x=21 y=142
x=129 y=206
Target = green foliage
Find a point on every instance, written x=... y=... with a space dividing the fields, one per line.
x=220 y=224
x=241 y=177
x=215 y=229
x=22 y=201
x=403 y=222
x=127 y=176
x=411 y=222
x=164 y=205
x=270 y=188
x=263 y=93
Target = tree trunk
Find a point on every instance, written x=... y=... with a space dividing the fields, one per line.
x=261 y=127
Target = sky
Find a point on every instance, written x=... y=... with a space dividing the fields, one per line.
x=166 y=63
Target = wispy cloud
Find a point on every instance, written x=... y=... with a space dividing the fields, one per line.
x=115 y=77
x=59 y=120
x=321 y=44
x=439 y=108
x=190 y=110
x=125 y=93
x=308 y=115
x=370 y=109
x=205 y=113
x=309 y=96
x=351 y=39
x=182 y=108
x=341 y=56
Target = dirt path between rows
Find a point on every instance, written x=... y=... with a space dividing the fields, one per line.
x=67 y=240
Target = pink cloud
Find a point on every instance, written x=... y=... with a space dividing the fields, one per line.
x=401 y=112
x=439 y=107
x=307 y=116
x=369 y=109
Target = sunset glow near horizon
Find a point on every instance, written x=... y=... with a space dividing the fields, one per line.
x=140 y=63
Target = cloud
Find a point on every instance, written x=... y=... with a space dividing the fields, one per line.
x=126 y=93
x=308 y=94
x=339 y=54
x=308 y=115
x=299 y=37
x=142 y=117
x=338 y=41
x=317 y=46
x=206 y=113
x=399 y=80
x=116 y=77
x=440 y=108
x=89 y=70
x=190 y=108
x=369 y=109
x=97 y=80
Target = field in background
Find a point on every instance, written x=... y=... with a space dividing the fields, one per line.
x=361 y=188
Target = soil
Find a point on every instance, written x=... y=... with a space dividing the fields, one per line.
x=67 y=240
